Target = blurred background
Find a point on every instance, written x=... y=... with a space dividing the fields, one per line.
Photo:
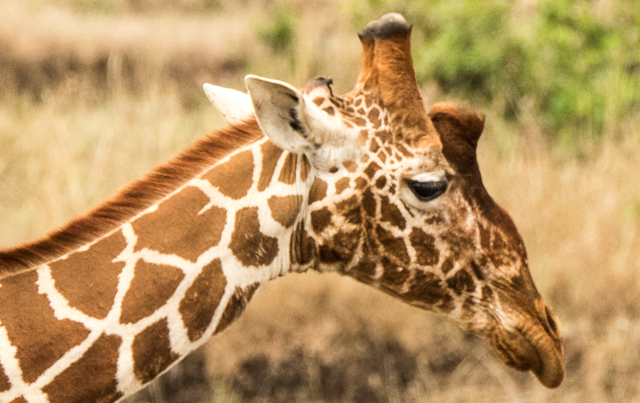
x=94 y=93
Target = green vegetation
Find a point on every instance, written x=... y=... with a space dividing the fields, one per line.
x=578 y=64
x=279 y=32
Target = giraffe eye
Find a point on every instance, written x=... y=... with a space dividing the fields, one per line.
x=427 y=190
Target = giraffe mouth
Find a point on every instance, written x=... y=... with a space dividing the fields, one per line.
x=533 y=351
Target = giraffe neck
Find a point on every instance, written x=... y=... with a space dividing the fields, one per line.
x=128 y=305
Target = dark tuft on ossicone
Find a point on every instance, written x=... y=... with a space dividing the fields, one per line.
x=389 y=25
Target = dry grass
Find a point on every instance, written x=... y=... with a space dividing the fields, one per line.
x=74 y=137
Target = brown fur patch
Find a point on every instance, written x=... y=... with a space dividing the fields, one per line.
x=390 y=213
x=468 y=309
x=372 y=169
x=485 y=237
x=374 y=117
x=369 y=203
x=177 y=228
x=385 y=136
x=447 y=265
x=363 y=136
x=90 y=379
x=288 y=171
x=374 y=146
x=302 y=246
x=330 y=110
x=381 y=182
x=382 y=157
x=151 y=287
x=364 y=270
x=341 y=185
x=425 y=247
x=461 y=282
x=318 y=101
x=235 y=177
x=393 y=246
x=350 y=165
x=4 y=380
x=235 y=306
x=477 y=270
x=345 y=244
x=487 y=295
x=19 y=400
x=404 y=151
x=270 y=156
x=350 y=209
x=89 y=279
x=428 y=288
x=361 y=183
x=333 y=170
x=328 y=254
x=358 y=121
x=201 y=300
x=305 y=168
x=133 y=199
x=250 y=246
x=39 y=337
x=320 y=219
x=394 y=276
x=151 y=350
x=285 y=209
x=318 y=191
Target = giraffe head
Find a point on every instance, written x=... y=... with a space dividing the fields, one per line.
x=396 y=200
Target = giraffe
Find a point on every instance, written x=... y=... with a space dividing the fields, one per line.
x=368 y=184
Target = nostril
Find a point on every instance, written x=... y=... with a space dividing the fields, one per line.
x=552 y=323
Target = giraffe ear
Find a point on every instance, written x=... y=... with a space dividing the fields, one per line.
x=280 y=110
x=234 y=106
x=291 y=122
x=457 y=121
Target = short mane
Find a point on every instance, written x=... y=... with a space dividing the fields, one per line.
x=131 y=200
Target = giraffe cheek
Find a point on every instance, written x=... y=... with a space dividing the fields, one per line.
x=341 y=247
x=394 y=276
x=424 y=246
x=428 y=289
x=393 y=247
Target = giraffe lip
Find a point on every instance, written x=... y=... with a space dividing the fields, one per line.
x=531 y=351
x=551 y=371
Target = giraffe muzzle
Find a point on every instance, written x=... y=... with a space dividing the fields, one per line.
x=534 y=347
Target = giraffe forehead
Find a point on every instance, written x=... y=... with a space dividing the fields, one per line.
x=428 y=142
